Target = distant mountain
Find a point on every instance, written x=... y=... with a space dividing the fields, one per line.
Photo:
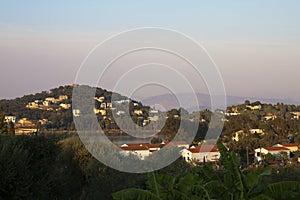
x=168 y=101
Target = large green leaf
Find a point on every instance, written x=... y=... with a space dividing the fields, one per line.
x=135 y=194
x=283 y=190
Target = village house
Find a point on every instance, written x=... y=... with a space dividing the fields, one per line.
x=100 y=99
x=293 y=147
x=65 y=106
x=138 y=112
x=43 y=121
x=295 y=115
x=25 y=126
x=140 y=150
x=46 y=103
x=237 y=135
x=103 y=105
x=32 y=105
x=256 y=130
x=153 y=112
x=254 y=106
x=153 y=118
x=120 y=112
x=8 y=119
x=232 y=112
x=179 y=144
x=51 y=99
x=269 y=117
x=76 y=112
x=275 y=151
x=62 y=97
x=202 y=154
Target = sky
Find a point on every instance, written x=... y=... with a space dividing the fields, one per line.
x=255 y=44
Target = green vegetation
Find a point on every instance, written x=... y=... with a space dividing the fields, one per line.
x=50 y=166
x=59 y=167
x=228 y=182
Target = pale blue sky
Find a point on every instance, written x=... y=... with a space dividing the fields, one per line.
x=256 y=44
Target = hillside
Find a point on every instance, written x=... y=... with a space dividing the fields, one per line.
x=53 y=108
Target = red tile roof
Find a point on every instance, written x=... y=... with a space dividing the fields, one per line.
x=135 y=148
x=177 y=143
x=276 y=148
x=144 y=144
x=205 y=148
x=291 y=145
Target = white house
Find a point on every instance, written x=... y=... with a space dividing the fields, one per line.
x=254 y=107
x=275 y=151
x=8 y=119
x=65 y=106
x=51 y=99
x=76 y=112
x=295 y=115
x=138 y=112
x=236 y=136
x=140 y=150
x=256 y=130
x=269 y=117
x=100 y=99
x=120 y=112
x=62 y=97
x=291 y=146
x=154 y=118
x=204 y=153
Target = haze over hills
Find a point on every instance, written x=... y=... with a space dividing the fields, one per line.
x=168 y=101
x=162 y=102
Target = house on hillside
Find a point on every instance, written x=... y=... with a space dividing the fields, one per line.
x=237 y=135
x=138 y=112
x=295 y=115
x=8 y=119
x=100 y=99
x=140 y=150
x=65 y=106
x=202 y=154
x=256 y=130
x=76 y=112
x=293 y=147
x=254 y=106
x=25 y=127
x=269 y=117
x=51 y=99
x=275 y=151
x=62 y=97
x=179 y=144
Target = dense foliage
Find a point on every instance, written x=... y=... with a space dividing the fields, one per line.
x=226 y=182
x=60 y=167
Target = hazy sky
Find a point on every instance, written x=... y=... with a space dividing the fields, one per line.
x=256 y=44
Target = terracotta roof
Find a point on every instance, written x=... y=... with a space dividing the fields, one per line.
x=176 y=143
x=276 y=148
x=205 y=148
x=291 y=145
x=135 y=148
x=144 y=144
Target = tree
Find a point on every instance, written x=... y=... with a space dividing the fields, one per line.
x=156 y=140
x=230 y=182
x=247 y=103
x=3 y=124
x=11 y=128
